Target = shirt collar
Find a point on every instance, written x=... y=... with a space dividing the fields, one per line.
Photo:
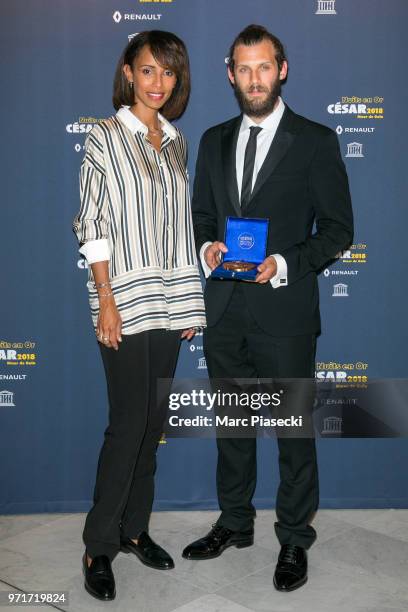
x=270 y=122
x=135 y=125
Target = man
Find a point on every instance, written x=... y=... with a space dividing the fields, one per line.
x=274 y=164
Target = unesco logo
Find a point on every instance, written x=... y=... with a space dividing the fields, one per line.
x=7 y=398
x=326 y=7
x=246 y=241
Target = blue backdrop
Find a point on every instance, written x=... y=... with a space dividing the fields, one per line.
x=58 y=60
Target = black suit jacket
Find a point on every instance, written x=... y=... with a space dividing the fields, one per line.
x=303 y=180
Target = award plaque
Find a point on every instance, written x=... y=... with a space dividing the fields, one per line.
x=246 y=240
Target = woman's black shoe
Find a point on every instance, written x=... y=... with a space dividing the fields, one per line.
x=149 y=552
x=99 y=579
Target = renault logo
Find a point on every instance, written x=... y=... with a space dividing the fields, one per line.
x=117 y=16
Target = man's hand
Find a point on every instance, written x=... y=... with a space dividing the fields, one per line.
x=267 y=270
x=212 y=254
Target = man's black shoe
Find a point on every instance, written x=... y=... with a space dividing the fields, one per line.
x=99 y=579
x=291 y=569
x=216 y=541
x=149 y=553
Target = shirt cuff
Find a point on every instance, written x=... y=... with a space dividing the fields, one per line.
x=95 y=250
x=281 y=277
x=206 y=269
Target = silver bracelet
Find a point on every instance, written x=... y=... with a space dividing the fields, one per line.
x=101 y=285
x=105 y=294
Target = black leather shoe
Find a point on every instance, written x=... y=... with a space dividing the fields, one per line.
x=291 y=569
x=149 y=552
x=99 y=579
x=216 y=541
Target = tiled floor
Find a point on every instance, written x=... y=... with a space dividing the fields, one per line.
x=358 y=564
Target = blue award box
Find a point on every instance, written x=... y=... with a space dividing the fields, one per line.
x=246 y=241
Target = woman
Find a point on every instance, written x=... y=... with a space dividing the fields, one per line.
x=145 y=294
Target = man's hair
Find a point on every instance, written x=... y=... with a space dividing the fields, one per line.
x=252 y=35
x=168 y=50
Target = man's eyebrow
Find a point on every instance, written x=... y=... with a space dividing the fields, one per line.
x=258 y=63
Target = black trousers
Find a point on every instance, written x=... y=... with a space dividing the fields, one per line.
x=124 y=489
x=237 y=347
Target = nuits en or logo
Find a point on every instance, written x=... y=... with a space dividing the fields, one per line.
x=17 y=353
x=82 y=126
x=340 y=290
x=356 y=254
x=338 y=372
x=7 y=398
x=326 y=7
x=361 y=107
x=354 y=149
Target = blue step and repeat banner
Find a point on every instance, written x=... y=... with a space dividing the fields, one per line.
x=58 y=59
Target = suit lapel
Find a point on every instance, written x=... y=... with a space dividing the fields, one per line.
x=284 y=137
x=229 y=147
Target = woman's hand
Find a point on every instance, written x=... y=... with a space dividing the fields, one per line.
x=188 y=333
x=109 y=325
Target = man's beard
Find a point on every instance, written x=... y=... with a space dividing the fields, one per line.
x=257 y=107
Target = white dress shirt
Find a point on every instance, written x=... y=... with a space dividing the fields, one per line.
x=263 y=142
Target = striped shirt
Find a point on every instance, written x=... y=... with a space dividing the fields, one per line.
x=135 y=212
